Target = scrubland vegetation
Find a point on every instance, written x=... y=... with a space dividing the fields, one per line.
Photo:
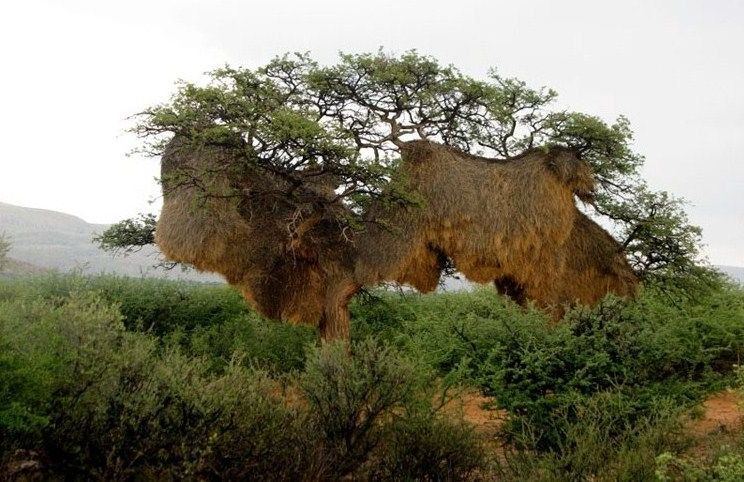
x=117 y=379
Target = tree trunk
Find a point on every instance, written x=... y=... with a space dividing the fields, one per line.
x=334 y=325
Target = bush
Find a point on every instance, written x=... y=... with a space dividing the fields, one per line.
x=209 y=389
x=102 y=401
x=157 y=306
x=603 y=388
x=274 y=346
x=431 y=448
x=206 y=320
x=452 y=332
x=48 y=350
x=727 y=464
x=728 y=467
x=637 y=356
x=373 y=414
x=99 y=401
x=4 y=250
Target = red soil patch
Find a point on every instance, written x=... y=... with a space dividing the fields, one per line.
x=722 y=413
x=721 y=425
x=477 y=410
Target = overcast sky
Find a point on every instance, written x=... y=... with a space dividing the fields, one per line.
x=72 y=71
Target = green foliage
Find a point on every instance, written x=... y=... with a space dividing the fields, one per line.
x=607 y=382
x=157 y=306
x=4 y=250
x=661 y=245
x=376 y=406
x=630 y=358
x=617 y=342
x=269 y=120
x=352 y=396
x=726 y=464
x=274 y=346
x=103 y=402
x=128 y=235
x=422 y=447
x=728 y=467
x=594 y=457
x=109 y=378
x=47 y=348
x=204 y=320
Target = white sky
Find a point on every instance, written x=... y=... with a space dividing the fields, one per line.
x=72 y=71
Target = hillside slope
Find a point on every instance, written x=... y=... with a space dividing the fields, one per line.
x=18 y=268
x=52 y=240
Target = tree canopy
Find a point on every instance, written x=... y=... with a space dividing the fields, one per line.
x=296 y=120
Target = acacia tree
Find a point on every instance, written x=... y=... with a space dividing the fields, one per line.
x=4 y=250
x=295 y=120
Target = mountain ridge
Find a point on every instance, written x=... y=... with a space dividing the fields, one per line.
x=48 y=239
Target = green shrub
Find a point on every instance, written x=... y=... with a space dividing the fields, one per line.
x=48 y=349
x=99 y=401
x=207 y=320
x=373 y=414
x=103 y=401
x=636 y=356
x=598 y=393
x=452 y=332
x=275 y=346
x=157 y=306
x=431 y=448
x=112 y=377
x=728 y=467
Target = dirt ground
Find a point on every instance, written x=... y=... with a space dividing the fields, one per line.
x=722 y=412
x=718 y=423
x=721 y=424
x=476 y=409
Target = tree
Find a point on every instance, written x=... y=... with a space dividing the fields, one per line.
x=329 y=138
x=4 y=250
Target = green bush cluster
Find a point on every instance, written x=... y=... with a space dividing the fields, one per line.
x=100 y=401
x=112 y=377
x=604 y=383
x=728 y=467
x=630 y=359
x=209 y=320
x=154 y=305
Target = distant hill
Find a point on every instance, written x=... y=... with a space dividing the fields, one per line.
x=43 y=239
x=15 y=267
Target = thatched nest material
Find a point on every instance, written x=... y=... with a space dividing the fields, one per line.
x=594 y=266
x=511 y=220
x=492 y=217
